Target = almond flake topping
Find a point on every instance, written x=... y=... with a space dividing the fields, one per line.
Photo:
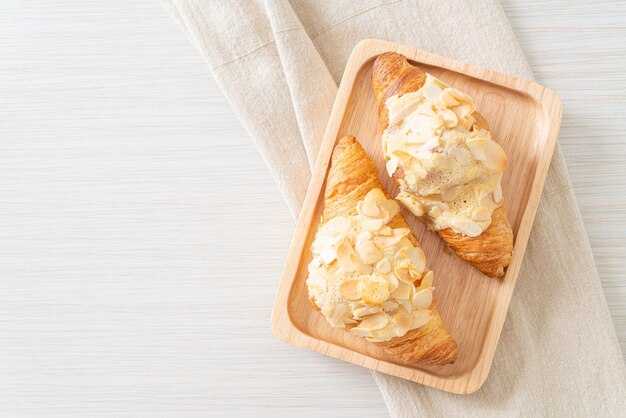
x=446 y=153
x=364 y=273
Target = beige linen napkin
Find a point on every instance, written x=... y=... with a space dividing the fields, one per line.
x=279 y=62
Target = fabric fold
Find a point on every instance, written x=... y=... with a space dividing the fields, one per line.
x=236 y=40
x=312 y=101
x=279 y=64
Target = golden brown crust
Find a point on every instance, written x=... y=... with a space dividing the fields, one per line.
x=491 y=251
x=430 y=344
x=351 y=176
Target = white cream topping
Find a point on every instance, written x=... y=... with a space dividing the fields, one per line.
x=452 y=167
x=368 y=276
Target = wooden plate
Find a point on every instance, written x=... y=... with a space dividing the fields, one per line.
x=524 y=118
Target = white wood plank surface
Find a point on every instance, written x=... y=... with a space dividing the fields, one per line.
x=141 y=236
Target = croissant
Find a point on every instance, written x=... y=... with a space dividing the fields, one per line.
x=440 y=153
x=368 y=273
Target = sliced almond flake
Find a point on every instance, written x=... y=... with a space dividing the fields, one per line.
x=385 y=230
x=425 y=109
x=339 y=224
x=368 y=252
x=393 y=281
x=481 y=213
x=391 y=166
x=448 y=98
x=430 y=90
x=413 y=165
x=443 y=206
x=351 y=289
x=328 y=254
x=402 y=273
x=349 y=260
x=343 y=255
x=375 y=339
x=476 y=146
x=489 y=201
x=437 y=121
x=401 y=155
x=497 y=193
x=450 y=119
x=423 y=298
x=411 y=179
x=420 y=318
x=462 y=97
x=322 y=241
x=418 y=258
x=402 y=292
x=371 y=209
x=389 y=208
x=361 y=332
x=365 y=310
x=495 y=158
x=363 y=237
x=413 y=176
x=416 y=137
x=372 y=224
x=438 y=82
x=383 y=266
x=359 y=265
x=395 y=237
x=402 y=319
x=400 y=107
x=419 y=123
x=401 y=332
x=431 y=143
x=466 y=227
x=316 y=280
x=451 y=193
x=435 y=212
x=384 y=216
x=423 y=156
x=336 y=319
x=419 y=171
x=462 y=155
x=484 y=224
x=463 y=110
x=402 y=254
x=376 y=321
x=406 y=304
x=481 y=192
x=390 y=305
x=468 y=122
x=427 y=280
x=415 y=273
x=375 y=195
x=411 y=203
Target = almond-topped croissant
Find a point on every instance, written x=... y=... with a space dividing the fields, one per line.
x=368 y=274
x=440 y=152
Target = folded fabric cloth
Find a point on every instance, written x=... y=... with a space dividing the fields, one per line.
x=279 y=63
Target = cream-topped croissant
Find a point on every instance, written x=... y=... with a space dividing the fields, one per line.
x=440 y=152
x=368 y=274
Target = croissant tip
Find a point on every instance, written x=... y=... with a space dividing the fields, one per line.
x=388 y=60
x=346 y=140
x=388 y=55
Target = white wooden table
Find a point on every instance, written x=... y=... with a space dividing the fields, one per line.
x=130 y=237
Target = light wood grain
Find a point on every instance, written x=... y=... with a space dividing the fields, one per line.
x=117 y=208
x=524 y=118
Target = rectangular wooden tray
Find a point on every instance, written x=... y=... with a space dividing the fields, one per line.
x=524 y=118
